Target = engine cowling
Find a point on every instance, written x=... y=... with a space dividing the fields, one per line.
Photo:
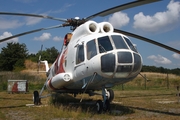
x=90 y=27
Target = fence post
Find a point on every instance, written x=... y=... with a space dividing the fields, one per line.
x=145 y=81
x=122 y=86
x=178 y=94
x=167 y=78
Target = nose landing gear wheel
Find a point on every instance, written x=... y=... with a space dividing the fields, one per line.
x=99 y=106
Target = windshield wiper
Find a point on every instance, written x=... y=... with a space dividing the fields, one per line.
x=101 y=49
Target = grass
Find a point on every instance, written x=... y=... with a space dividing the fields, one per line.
x=136 y=104
x=132 y=102
x=154 y=81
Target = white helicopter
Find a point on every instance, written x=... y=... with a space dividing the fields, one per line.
x=94 y=56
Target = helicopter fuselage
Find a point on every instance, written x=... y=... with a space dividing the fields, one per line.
x=95 y=57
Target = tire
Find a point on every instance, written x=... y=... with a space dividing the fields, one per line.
x=99 y=106
x=36 y=99
x=111 y=95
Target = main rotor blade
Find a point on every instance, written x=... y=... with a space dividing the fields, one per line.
x=121 y=7
x=33 y=15
x=147 y=40
x=29 y=32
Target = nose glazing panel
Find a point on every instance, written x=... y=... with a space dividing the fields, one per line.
x=108 y=63
x=124 y=57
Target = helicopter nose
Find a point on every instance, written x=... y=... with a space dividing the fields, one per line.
x=121 y=64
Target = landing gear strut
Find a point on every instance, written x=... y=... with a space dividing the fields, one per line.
x=108 y=96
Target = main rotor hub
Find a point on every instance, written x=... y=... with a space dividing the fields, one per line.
x=74 y=22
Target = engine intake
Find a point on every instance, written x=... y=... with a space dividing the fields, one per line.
x=106 y=27
x=90 y=27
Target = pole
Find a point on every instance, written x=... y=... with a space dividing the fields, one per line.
x=178 y=94
x=122 y=86
x=167 y=81
x=145 y=81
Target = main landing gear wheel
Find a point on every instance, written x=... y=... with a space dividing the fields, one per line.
x=110 y=95
x=36 y=98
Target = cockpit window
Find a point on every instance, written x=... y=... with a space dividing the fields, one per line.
x=80 y=54
x=119 y=42
x=91 y=49
x=104 y=44
x=130 y=44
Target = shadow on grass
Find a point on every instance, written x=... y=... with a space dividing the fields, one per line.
x=10 y=98
x=88 y=105
x=69 y=103
x=151 y=110
x=155 y=111
x=145 y=95
x=18 y=106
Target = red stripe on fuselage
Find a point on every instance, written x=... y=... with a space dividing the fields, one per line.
x=50 y=85
x=60 y=68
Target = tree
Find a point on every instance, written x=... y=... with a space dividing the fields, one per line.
x=50 y=54
x=13 y=56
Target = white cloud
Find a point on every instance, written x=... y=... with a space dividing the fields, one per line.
x=43 y=37
x=119 y=19
x=8 y=34
x=32 y=20
x=9 y=24
x=176 y=56
x=161 y=21
x=159 y=59
x=56 y=38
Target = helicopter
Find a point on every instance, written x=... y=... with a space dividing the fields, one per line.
x=94 y=56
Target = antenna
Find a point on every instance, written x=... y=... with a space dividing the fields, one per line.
x=39 y=60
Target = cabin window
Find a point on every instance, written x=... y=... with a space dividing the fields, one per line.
x=130 y=45
x=104 y=44
x=80 y=54
x=91 y=49
x=119 y=42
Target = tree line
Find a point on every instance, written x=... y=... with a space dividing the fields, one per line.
x=155 y=69
x=13 y=56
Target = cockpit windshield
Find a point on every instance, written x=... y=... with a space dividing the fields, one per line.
x=119 y=42
x=130 y=44
x=104 y=44
x=107 y=43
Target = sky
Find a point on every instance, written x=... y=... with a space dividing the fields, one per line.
x=159 y=21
